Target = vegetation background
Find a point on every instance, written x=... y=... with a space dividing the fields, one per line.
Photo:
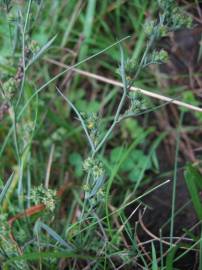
x=134 y=203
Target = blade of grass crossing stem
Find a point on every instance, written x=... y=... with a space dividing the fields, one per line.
x=175 y=178
x=193 y=181
x=187 y=251
x=130 y=234
x=154 y=259
x=149 y=156
x=119 y=209
x=88 y=25
x=114 y=173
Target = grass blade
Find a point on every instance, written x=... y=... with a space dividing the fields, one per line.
x=6 y=187
x=40 y=52
x=193 y=181
x=40 y=225
x=154 y=260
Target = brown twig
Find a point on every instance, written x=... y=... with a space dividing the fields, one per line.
x=117 y=83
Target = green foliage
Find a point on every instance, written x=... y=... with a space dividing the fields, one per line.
x=76 y=161
x=193 y=180
x=133 y=165
x=44 y=137
x=189 y=97
x=174 y=17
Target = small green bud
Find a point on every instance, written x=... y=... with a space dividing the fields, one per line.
x=136 y=102
x=181 y=20
x=86 y=188
x=97 y=170
x=163 y=30
x=131 y=66
x=149 y=27
x=91 y=121
x=94 y=166
x=159 y=56
x=9 y=88
x=163 y=56
x=34 y=46
x=88 y=164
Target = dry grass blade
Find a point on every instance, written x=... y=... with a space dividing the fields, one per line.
x=117 y=83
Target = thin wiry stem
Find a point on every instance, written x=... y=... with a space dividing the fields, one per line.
x=175 y=179
x=23 y=30
x=125 y=90
x=80 y=118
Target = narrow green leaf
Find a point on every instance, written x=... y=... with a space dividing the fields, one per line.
x=97 y=186
x=35 y=256
x=40 y=52
x=170 y=258
x=5 y=188
x=154 y=260
x=193 y=181
x=40 y=225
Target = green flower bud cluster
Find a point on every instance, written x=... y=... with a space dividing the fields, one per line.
x=180 y=20
x=149 y=26
x=45 y=196
x=136 y=101
x=94 y=166
x=130 y=68
x=174 y=17
x=9 y=88
x=159 y=56
x=163 y=30
x=33 y=46
x=92 y=122
x=152 y=27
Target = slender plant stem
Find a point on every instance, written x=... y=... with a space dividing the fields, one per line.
x=80 y=118
x=175 y=179
x=116 y=117
x=23 y=30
